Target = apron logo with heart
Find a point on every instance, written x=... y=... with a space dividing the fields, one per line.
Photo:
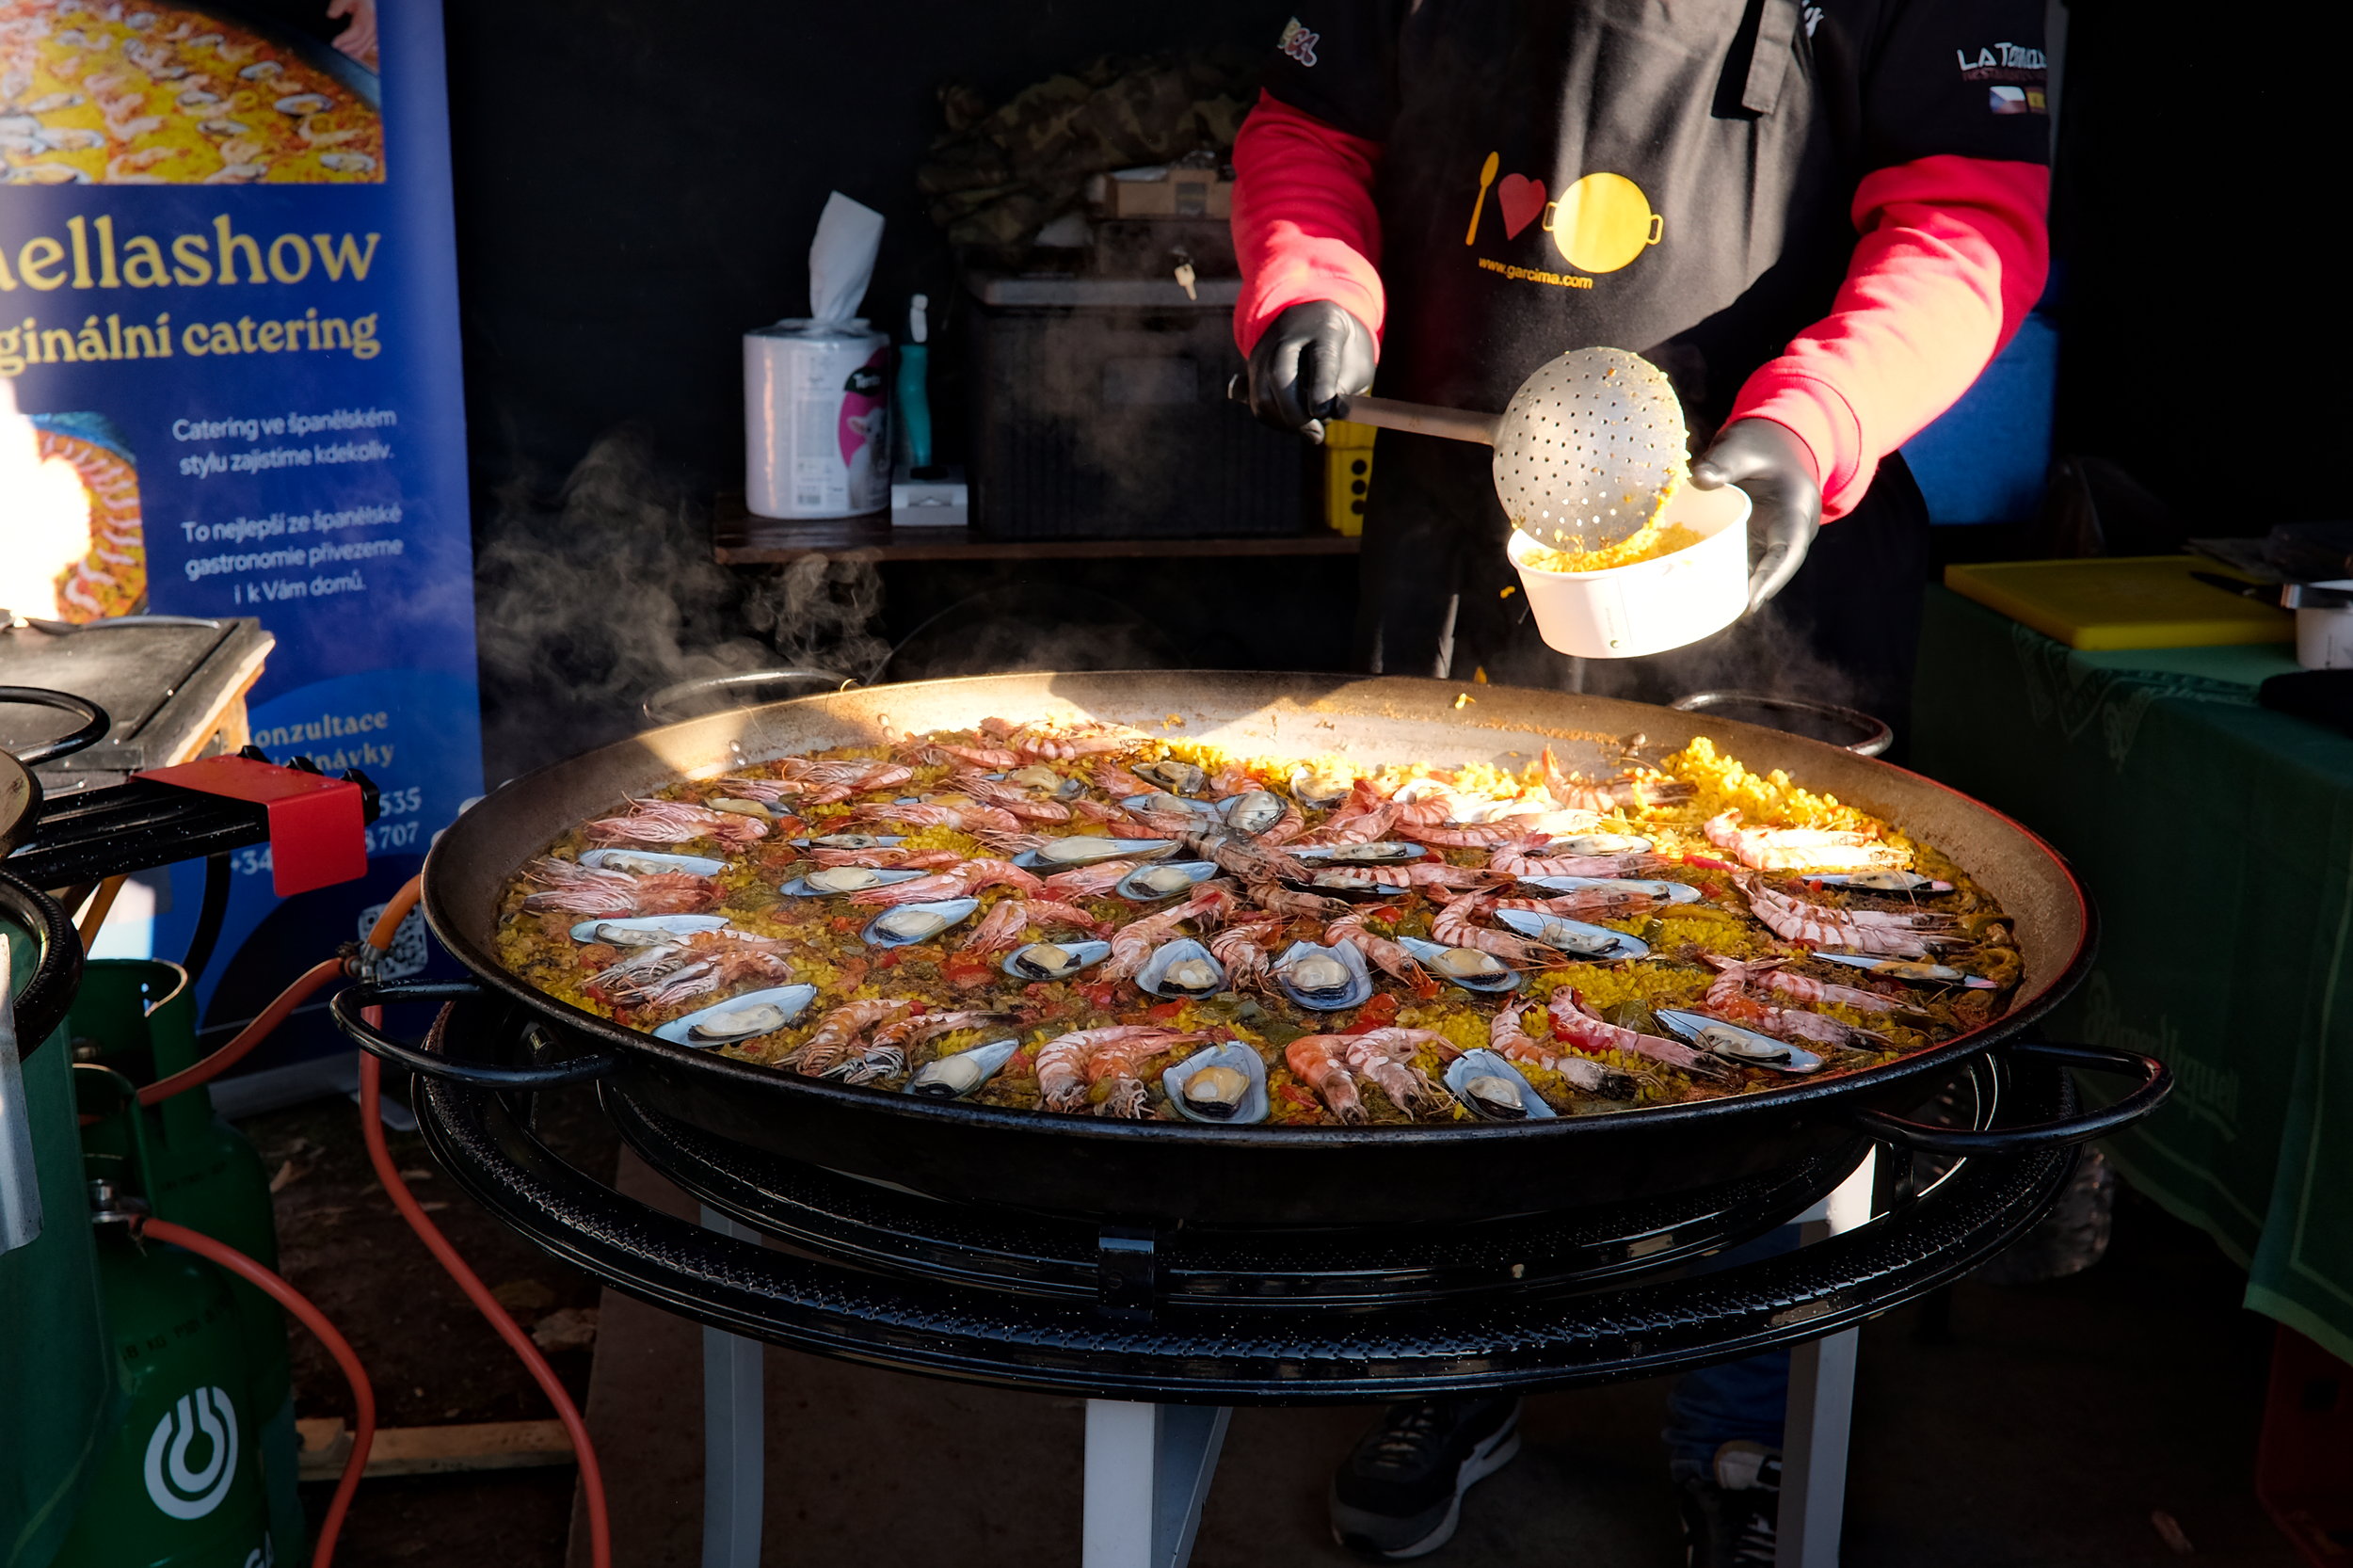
x=1602 y=222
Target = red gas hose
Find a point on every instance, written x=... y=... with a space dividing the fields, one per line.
x=362 y=1395
x=249 y=1036
x=379 y=1155
x=372 y=1129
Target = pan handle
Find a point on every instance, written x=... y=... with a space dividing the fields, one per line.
x=2156 y=1082
x=688 y=699
x=347 y=1009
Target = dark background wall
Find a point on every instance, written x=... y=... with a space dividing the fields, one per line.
x=637 y=183
x=2203 y=318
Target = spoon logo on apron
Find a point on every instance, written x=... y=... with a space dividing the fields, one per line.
x=1601 y=223
x=182 y=1490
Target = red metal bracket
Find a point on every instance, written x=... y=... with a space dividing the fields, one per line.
x=317 y=825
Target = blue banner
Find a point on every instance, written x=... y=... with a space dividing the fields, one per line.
x=228 y=307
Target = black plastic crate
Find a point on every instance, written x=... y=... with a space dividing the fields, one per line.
x=1099 y=411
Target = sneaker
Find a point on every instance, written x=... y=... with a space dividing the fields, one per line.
x=1731 y=1521
x=1401 y=1494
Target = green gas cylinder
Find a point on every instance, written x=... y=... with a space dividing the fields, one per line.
x=179 y=1483
x=137 y=1017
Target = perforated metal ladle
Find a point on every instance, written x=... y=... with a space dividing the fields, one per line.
x=1584 y=451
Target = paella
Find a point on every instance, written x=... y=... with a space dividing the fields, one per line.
x=1090 y=919
x=102 y=92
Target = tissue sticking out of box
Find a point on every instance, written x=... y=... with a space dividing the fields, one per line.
x=841 y=258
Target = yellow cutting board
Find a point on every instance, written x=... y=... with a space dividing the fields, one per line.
x=2105 y=603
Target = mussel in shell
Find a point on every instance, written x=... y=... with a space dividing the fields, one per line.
x=1493 y=1089
x=1468 y=967
x=1903 y=969
x=844 y=879
x=951 y=1078
x=645 y=931
x=1379 y=853
x=1224 y=1082
x=1046 y=960
x=853 y=841
x=1086 y=849
x=1181 y=778
x=1734 y=1043
x=1253 y=813
x=1666 y=892
x=1039 y=780
x=1321 y=787
x=1886 y=880
x=740 y=808
x=917 y=922
x=1164 y=805
x=739 y=1018
x=1181 y=968
x=648 y=862
x=1597 y=944
x=1324 y=978
x=1169 y=879
x=1598 y=843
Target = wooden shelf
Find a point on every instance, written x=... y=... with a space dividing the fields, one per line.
x=740 y=539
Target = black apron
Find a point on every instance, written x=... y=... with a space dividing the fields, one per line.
x=1658 y=175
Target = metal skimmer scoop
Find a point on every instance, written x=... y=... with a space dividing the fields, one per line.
x=1585 y=451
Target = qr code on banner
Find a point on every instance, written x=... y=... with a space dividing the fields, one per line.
x=406 y=956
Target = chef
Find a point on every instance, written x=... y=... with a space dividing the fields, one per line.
x=1821 y=219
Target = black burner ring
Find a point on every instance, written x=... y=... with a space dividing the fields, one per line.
x=1256 y=1354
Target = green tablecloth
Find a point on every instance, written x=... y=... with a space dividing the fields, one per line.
x=2217 y=838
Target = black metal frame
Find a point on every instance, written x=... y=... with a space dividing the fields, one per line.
x=1118 y=1346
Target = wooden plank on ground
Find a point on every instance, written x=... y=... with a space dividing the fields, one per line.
x=434 y=1450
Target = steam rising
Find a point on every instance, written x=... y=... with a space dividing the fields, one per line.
x=593 y=597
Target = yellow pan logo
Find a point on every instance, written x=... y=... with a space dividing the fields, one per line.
x=1603 y=223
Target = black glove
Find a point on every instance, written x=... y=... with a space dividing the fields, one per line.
x=1774 y=467
x=1310 y=355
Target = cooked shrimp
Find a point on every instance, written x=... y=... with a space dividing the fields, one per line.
x=1573 y=792
x=963 y=818
x=1243 y=950
x=1419 y=873
x=886 y=1049
x=1801 y=849
x=1052 y=743
x=830 y=1043
x=980 y=756
x=654 y=821
x=1132 y=943
x=1009 y=797
x=1290 y=903
x=1452 y=927
x=1388 y=955
x=1508 y=1037
x=1387 y=1056
x=1315 y=1059
x=1769 y=976
x=577 y=889
x=959 y=881
x=714 y=961
x=1575 y=1024
x=1816 y=925
x=1069 y=1063
x=1088 y=881
x=885 y=858
x=1520 y=859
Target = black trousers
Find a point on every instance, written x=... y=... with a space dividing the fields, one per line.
x=1846 y=630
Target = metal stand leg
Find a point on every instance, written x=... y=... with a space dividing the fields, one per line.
x=1821 y=1404
x=1148 y=1471
x=734 y=1435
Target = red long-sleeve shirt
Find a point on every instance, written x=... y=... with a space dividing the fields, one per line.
x=1951 y=256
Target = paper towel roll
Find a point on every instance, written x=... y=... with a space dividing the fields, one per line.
x=816 y=419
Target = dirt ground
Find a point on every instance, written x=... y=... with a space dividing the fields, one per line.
x=432 y=1358
x=2029 y=1427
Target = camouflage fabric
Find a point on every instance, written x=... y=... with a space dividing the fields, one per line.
x=995 y=178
